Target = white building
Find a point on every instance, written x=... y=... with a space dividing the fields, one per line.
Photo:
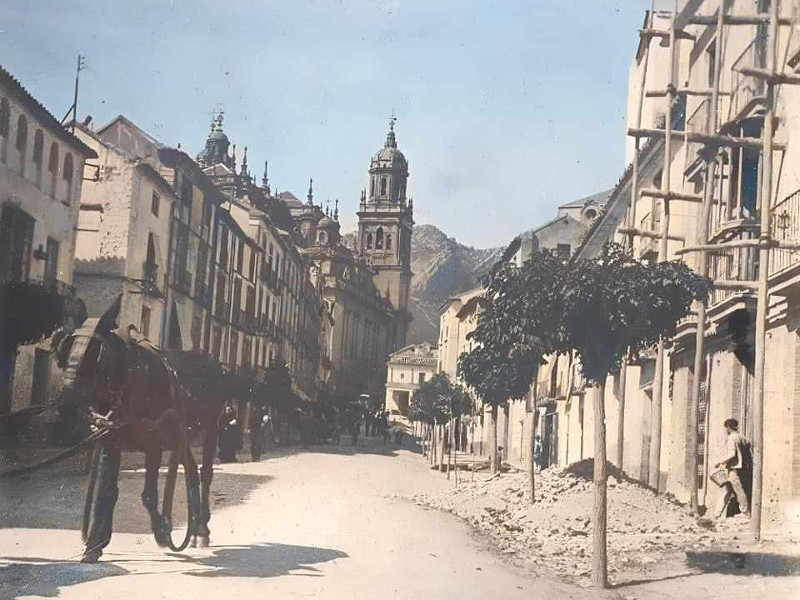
x=408 y=368
x=41 y=172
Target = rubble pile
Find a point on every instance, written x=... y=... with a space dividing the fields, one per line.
x=556 y=531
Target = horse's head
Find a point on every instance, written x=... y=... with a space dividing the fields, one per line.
x=91 y=359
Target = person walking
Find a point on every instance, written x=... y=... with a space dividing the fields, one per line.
x=229 y=435
x=737 y=463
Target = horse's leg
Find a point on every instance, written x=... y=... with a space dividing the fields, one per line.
x=206 y=476
x=152 y=464
x=104 y=502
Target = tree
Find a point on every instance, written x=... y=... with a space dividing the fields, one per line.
x=437 y=401
x=601 y=309
x=28 y=313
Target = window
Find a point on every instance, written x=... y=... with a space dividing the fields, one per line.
x=563 y=251
x=389 y=242
x=22 y=142
x=69 y=173
x=186 y=191
x=38 y=156
x=251 y=268
x=155 y=203
x=145 y=322
x=223 y=248
x=421 y=378
x=384 y=184
x=5 y=127
x=16 y=241
x=323 y=238
x=369 y=241
x=51 y=265
x=240 y=257
x=379 y=239
x=52 y=167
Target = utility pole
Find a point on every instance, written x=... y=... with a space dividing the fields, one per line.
x=81 y=64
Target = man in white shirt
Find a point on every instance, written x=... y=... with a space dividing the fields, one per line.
x=737 y=459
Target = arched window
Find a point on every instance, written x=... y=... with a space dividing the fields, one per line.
x=384 y=184
x=389 y=241
x=52 y=167
x=5 y=127
x=68 y=174
x=379 y=239
x=369 y=241
x=38 y=156
x=22 y=142
x=323 y=238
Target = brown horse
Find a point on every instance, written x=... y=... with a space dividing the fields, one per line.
x=128 y=388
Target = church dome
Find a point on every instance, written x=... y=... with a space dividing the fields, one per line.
x=389 y=157
x=326 y=223
x=217 y=144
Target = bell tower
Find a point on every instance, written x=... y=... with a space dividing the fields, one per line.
x=385 y=221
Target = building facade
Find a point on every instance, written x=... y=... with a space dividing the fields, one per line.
x=408 y=369
x=41 y=168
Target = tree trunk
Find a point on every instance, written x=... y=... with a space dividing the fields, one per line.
x=600 y=558
x=442 y=444
x=531 y=462
x=623 y=376
x=493 y=462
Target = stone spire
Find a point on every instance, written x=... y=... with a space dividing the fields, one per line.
x=391 y=141
x=310 y=196
x=265 y=178
x=243 y=172
x=336 y=211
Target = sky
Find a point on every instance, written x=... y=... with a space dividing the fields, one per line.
x=505 y=108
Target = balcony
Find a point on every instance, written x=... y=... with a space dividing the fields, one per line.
x=183 y=282
x=150 y=280
x=746 y=91
x=785 y=228
x=697 y=123
x=222 y=310
x=733 y=264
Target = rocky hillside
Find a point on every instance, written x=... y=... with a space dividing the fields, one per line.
x=442 y=267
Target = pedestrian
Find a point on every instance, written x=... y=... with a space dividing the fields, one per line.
x=737 y=462
x=229 y=435
x=537 y=452
x=257 y=435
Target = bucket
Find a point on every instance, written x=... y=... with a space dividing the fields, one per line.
x=720 y=477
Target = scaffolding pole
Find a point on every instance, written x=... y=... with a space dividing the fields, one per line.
x=663 y=249
x=702 y=267
x=762 y=303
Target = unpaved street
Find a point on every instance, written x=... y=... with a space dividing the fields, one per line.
x=324 y=523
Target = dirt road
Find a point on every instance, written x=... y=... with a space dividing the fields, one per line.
x=328 y=523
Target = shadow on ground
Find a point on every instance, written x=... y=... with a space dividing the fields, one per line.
x=372 y=446
x=262 y=560
x=49 y=499
x=42 y=577
x=731 y=562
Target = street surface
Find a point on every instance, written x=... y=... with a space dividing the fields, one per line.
x=329 y=523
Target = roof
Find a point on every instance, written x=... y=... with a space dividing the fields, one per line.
x=596 y=198
x=605 y=225
x=463 y=298
x=289 y=199
x=424 y=354
x=129 y=123
x=17 y=91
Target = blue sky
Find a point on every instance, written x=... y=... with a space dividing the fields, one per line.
x=506 y=108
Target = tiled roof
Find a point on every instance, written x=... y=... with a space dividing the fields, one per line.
x=17 y=91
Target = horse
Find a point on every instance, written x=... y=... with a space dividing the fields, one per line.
x=128 y=389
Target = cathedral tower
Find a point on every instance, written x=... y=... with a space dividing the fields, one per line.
x=385 y=220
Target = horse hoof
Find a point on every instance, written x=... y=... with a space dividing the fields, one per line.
x=202 y=541
x=91 y=557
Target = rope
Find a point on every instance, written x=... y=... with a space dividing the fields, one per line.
x=88 y=441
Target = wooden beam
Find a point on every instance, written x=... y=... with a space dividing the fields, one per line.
x=682 y=92
x=725 y=284
x=754 y=19
x=648 y=234
x=751 y=243
x=706 y=138
x=656 y=193
x=770 y=76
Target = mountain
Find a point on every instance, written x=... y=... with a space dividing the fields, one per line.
x=442 y=267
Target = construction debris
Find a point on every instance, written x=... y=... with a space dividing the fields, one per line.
x=644 y=530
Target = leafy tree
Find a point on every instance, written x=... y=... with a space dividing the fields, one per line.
x=28 y=313
x=439 y=399
x=601 y=309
